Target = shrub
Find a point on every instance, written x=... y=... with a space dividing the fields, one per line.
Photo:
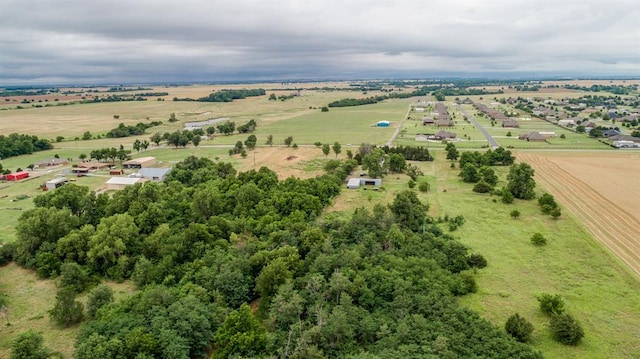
x=515 y=214
x=537 y=239
x=97 y=298
x=29 y=345
x=411 y=183
x=423 y=187
x=507 y=197
x=565 y=329
x=74 y=276
x=476 y=261
x=482 y=187
x=519 y=328
x=464 y=285
x=551 y=304
x=6 y=253
x=67 y=310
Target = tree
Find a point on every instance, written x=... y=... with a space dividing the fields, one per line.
x=469 y=173
x=269 y=141
x=196 y=141
x=397 y=163
x=67 y=310
x=82 y=157
x=520 y=181
x=519 y=328
x=337 y=148
x=156 y=138
x=537 y=239
x=87 y=135
x=251 y=141
x=172 y=117
x=73 y=276
x=29 y=345
x=272 y=97
x=326 y=149
x=565 y=329
x=452 y=151
x=324 y=109
x=482 y=187
x=515 y=214
x=551 y=304
x=488 y=175
x=241 y=335
x=349 y=154
x=408 y=210
x=288 y=141
x=375 y=163
x=98 y=297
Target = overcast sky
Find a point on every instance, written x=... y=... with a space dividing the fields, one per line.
x=118 y=41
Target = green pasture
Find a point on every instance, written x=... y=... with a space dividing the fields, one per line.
x=598 y=289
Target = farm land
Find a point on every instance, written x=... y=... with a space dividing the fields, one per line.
x=591 y=258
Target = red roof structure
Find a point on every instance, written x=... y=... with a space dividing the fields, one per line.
x=17 y=176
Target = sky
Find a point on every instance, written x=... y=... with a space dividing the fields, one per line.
x=142 y=41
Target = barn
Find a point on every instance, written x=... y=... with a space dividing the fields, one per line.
x=55 y=183
x=17 y=176
x=140 y=162
x=119 y=183
x=355 y=183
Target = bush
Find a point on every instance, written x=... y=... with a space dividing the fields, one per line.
x=67 y=310
x=507 y=197
x=28 y=345
x=538 y=240
x=515 y=214
x=551 y=304
x=411 y=184
x=6 y=253
x=482 y=187
x=464 y=285
x=519 y=328
x=565 y=329
x=74 y=276
x=97 y=298
x=423 y=187
x=476 y=261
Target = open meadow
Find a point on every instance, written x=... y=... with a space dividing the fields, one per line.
x=592 y=259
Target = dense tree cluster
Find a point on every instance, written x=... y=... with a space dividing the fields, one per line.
x=209 y=241
x=18 y=144
x=497 y=157
x=126 y=131
x=410 y=153
x=109 y=154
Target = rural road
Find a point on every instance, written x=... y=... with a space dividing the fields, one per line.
x=486 y=134
x=395 y=133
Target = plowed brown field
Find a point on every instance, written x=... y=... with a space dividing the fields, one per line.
x=601 y=190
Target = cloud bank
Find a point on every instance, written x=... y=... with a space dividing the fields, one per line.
x=69 y=41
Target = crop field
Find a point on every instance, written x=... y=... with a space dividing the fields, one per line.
x=602 y=191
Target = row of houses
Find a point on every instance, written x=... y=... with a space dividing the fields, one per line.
x=497 y=115
x=440 y=118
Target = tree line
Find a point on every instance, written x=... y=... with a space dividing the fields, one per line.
x=20 y=144
x=226 y=95
x=209 y=241
x=126 y=131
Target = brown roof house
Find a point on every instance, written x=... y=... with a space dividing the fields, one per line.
x=533 y=137
x=511 y=123
x=444 y=135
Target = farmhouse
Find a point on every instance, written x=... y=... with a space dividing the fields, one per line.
x=383 y=124
x=533 y=137
x=50 y=162
x=119 y=183
x=444 y=135
x=17 y=176
x=355 y=183
x=426 y=120
x=611 y=133
x=511 y=123
x=55 y=183
x=154 y=174
x=444 y=121
x=140 y=162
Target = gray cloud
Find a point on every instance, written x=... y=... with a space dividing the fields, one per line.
x=144 y=41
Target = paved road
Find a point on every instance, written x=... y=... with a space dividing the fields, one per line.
x=486 y=134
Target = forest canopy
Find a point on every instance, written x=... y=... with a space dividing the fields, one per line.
x=242 y=264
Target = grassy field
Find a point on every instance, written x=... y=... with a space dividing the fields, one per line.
x=597 y=288
x=29 y=300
